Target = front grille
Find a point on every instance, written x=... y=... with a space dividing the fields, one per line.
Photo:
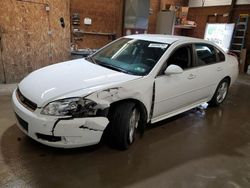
x=23 y=123
x=49 y=138
x=26 y=102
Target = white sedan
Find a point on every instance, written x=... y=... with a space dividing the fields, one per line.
x=133 y=81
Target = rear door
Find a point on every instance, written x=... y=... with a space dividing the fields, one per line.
x=209 y=67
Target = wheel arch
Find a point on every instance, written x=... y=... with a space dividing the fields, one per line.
x=227 y=78
x=212 y=101
x=142 y=108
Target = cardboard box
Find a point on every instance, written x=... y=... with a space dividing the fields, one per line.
x=183 y=12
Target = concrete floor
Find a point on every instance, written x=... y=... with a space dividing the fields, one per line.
x=200 y=148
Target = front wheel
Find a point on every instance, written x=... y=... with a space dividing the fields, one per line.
x=220 y=93
x=123 y=124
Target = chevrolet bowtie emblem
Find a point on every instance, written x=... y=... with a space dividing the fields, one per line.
x=21 y=98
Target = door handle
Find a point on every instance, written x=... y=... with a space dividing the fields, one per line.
x=219 y=69
x=191 y=76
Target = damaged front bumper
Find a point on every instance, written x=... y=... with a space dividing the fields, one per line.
x=57 y=131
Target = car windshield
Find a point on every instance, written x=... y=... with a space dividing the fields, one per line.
x=131 y=56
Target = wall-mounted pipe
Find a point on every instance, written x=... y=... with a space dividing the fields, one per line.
x=34 y=2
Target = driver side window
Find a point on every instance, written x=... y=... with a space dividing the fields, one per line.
x=181 y=57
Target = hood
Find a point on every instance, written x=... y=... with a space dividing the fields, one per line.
x=54 y=81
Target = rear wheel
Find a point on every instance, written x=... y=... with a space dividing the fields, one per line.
x=220 y=93
x=124 y=121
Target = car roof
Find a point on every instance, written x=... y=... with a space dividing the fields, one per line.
x=169 y=39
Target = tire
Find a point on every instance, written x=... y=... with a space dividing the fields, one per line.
x=220 y=93
x=123 y=123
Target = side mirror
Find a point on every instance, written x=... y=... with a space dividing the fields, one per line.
x=173 y=69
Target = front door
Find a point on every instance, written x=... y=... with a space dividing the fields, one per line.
x=176 y=91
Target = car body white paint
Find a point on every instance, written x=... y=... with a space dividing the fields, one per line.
x=174 y=93
x=69 y=77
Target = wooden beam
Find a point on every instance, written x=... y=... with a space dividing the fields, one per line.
x=230 y=14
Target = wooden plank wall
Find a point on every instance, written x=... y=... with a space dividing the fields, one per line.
x=107 y=17
x=156 y=6
x=26 y=43
x=199 y=15
x=244 y=9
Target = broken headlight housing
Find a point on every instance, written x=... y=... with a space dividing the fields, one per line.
x=77 y=107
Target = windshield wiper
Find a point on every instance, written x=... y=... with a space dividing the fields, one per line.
x=114 y=67
x=91 y=59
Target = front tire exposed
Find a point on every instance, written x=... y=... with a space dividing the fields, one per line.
x=220 y=93
x=124 y=120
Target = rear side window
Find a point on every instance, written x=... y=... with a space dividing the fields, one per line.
x=206 y=54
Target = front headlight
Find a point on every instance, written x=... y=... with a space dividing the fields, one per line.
x=70 y=107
